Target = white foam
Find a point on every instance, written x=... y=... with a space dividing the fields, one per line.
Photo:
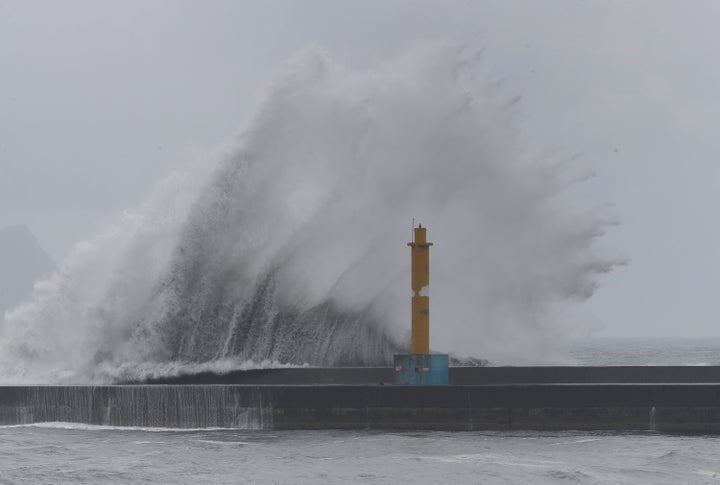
x=320 y=188
x=224 y=443
x=100 y=427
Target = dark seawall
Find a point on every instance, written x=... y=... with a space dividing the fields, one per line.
x=670 y=399
x=462 y=376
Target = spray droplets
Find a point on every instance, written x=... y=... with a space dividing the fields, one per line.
x=292 y=247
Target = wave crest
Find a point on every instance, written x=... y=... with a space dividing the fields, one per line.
x=290 y=247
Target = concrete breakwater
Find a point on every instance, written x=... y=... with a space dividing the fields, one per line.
x=689 y=404
x=143 y=406
x=461 y=376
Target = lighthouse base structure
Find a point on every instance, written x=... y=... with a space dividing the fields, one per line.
x=421 y=369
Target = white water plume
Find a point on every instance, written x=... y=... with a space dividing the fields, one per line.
x=291 y=247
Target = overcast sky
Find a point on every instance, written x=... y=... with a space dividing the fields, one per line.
x=100 y=100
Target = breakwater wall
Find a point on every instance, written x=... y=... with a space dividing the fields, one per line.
x=461 y=376
x=143 y=406
x=679 y=399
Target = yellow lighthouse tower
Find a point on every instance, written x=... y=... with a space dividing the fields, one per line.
x=420 y=279
x=420 y=367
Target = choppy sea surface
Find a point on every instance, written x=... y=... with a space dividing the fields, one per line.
x=58 y=453
x=643 y=351
x=74 y=453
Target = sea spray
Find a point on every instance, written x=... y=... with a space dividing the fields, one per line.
x=291 y=247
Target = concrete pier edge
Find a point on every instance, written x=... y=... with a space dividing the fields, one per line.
x=668 y=399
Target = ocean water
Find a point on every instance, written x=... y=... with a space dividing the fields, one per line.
x=643 y=351
x=76 y=453
x=63 y=453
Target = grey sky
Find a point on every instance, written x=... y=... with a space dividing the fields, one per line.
x=100 y=100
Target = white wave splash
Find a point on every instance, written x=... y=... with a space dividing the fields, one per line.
x=291 y=247
x=63 y=425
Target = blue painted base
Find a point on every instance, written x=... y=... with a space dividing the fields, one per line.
x=421 y=369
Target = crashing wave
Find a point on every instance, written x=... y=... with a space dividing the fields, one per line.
x=291 y=247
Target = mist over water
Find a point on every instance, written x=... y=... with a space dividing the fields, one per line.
x=290 y=248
